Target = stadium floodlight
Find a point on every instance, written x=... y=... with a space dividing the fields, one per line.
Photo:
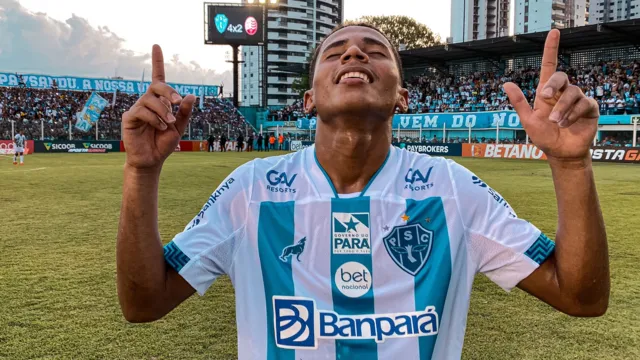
x=250 y=1
x=274 y=1
x=262 y=1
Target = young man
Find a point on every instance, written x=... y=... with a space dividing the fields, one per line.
x=354 y=249
x=19 y=142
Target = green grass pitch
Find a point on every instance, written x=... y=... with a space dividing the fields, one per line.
x=57 y=274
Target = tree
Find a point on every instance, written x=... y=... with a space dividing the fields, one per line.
x=403 y=31
x=301 y=84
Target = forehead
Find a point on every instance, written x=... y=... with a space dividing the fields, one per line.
x=354 y=33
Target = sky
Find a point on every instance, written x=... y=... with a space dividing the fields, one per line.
x=113 y=38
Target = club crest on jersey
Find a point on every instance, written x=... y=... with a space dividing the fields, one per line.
x=409 y=246
x=351 y=234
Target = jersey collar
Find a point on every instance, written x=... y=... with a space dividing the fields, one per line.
x=324 y=186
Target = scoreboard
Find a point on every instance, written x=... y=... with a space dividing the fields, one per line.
x=234 y=25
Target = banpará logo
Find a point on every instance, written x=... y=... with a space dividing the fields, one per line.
x=275 y=178
x=299 y=324
x=417 y=181
x=351 y=233
x=353 y=279
x=293 y=250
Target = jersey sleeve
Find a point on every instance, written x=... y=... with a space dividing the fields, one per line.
x=205 y=249
x=502 y=246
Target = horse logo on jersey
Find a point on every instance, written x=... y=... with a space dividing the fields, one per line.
x=409 y=246
x=293 y=250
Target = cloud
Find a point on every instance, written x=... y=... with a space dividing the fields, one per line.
x=36 y=43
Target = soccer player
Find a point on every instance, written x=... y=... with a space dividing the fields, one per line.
x=18 y=146
x=352 y=248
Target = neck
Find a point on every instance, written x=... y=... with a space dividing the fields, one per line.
x=361 y=150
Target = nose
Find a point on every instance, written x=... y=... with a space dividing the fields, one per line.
x=354 y=52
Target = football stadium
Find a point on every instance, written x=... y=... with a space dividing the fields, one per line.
x=70 y=215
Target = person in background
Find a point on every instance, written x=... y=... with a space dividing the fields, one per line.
x=240 y=142
x=250 y=143
x=223 y=143
x=210 y=141
x=272 y=142
x=280 y=141
x=260 y=142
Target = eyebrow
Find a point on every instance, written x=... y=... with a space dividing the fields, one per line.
x=367 y=41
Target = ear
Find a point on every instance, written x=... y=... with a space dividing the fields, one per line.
x=308 y=101
x=403 y=100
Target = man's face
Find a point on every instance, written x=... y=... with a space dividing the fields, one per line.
x=356 y=74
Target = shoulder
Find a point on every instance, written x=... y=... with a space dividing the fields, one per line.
x=259 y=168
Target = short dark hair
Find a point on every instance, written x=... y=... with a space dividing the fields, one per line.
x=314 y=57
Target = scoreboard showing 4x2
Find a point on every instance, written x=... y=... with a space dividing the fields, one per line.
x=235 y=25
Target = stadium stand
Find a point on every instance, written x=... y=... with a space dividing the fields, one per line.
x=614 y=84
x=55 y=108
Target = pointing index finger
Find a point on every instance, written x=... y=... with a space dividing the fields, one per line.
x=157 y=64
x=550 y=56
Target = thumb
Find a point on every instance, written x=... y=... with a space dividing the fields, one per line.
x=518 y=101
x=184 y=113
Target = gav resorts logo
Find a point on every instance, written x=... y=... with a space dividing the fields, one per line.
x=293 y=250
x=409 y=246
x=351 y=233
x=299 y=324
x=353 y=279
x=417 y=181
x=280 y=182
x=221 y=21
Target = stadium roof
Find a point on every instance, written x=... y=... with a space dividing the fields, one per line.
x=618 y=33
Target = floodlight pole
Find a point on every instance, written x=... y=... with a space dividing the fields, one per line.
x=265 y=56
x=236 y=50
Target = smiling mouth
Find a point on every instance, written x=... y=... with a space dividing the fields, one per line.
x=355 y=75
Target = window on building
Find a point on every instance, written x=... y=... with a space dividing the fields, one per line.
x=251 y=97
x=252 y=53
x=251 y=74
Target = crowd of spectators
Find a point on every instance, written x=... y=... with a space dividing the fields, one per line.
x=51 y=111
x=614 y=84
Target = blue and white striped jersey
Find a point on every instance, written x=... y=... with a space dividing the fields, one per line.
x=375 y=275
x=19 y=140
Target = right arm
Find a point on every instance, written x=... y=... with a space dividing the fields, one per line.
x=147 y=288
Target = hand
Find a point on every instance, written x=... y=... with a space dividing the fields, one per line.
x=563 y=121
x=150 y=130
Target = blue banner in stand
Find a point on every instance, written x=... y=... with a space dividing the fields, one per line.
x=507 y=120
x=305 y=123
x=90 y=113
x=477 y=120
x=96 y=84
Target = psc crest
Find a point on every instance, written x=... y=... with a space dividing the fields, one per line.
x=409 y=246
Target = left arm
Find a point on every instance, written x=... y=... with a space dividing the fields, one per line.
x=563 y=124
x=575 y=278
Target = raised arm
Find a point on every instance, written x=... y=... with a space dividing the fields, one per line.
x=563 y=123
x=148 y=288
